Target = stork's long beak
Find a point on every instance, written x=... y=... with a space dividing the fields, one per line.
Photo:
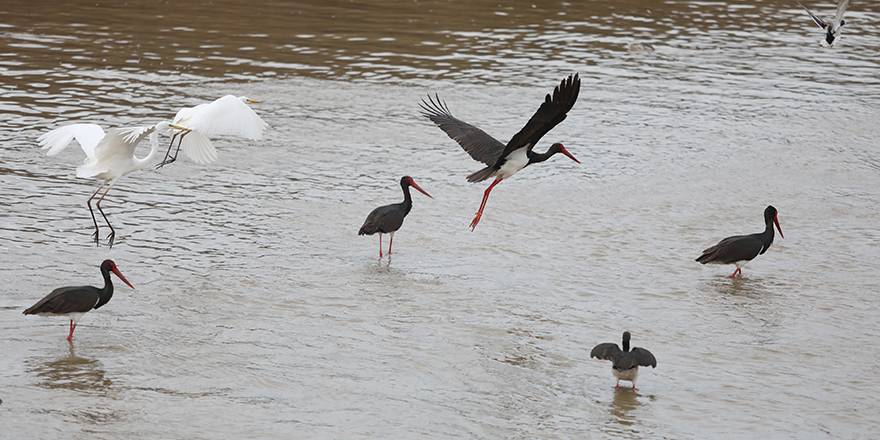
x=121 y=276
x=418 y=188
x=778 y=228
x=564 y=151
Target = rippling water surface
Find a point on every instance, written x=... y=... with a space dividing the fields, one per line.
x=259 y=313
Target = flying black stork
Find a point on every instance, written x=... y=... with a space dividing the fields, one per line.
x=503 y=161
x=833 y=27
x=624 y=363
x=75 y=301
x=740 y=249
x=389 y=218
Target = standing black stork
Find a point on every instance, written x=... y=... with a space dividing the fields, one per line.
x=740 y=249
x=74 y=301
x=389 y=218
x=624 y=363
x=502 y=160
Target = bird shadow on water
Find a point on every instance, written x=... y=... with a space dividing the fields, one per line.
x=625 y=401
x=70 y=372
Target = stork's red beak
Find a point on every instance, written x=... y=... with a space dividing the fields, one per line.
x=418 y=188
x=778 y=228
x=121 y=276
x=570 y=156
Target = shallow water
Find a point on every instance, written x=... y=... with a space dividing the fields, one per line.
x=259 y=313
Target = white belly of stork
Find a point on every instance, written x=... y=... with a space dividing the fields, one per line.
x=516 y=160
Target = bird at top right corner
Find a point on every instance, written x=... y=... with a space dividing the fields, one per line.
x=833 y=27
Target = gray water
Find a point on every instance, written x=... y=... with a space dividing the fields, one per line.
x=259 y=313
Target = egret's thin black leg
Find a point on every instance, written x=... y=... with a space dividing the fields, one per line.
x=94 y=220
x=167 y=153
x=112 y=235
x=177 y=151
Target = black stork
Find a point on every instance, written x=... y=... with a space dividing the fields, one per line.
x=624 y=363
x=74 y=301
x=389 y=218
x=503 y=161
x=740 y=249
x=832 y=28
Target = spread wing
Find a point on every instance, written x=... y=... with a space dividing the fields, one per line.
x=226 y=116
x=606 y=351
x=479 y=144
x=117 y=143
x=86 y=135
x=819 y=22
x=841 y=9
x=644 y=357
x=549 y=115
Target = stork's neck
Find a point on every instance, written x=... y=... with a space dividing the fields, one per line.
x=407 y=197
x=539 y=157
x=625 y=343
x=769 y=232
x=107 y=292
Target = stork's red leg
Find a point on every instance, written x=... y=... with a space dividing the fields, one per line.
x=477 y=217
x=72 y=328
x=380 y=245
x=391 y=243
x=735 y=272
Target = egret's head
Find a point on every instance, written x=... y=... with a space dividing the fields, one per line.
x=247 y=100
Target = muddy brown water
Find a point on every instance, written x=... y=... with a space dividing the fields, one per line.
x=259 y=313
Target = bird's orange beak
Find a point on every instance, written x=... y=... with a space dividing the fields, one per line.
x=778 y=228
x=121 y=276
x=570 y=156
x=418 y=188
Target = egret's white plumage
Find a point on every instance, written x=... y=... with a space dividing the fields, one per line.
x=109 y=155
x=226 y=116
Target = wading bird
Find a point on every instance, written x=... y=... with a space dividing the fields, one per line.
x=109 y=156
x=226 y=116
x=832 y=28
x=75 y=301
x=389 y=218
x=503 y=161
x=624 y=363
x=740 y=249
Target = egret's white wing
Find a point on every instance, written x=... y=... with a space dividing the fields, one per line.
x=118 y=144
x=226 y=116
x=86 y=135
x=199 y=148
x=841 y=8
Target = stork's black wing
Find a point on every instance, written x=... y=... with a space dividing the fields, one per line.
x=549 y=115
x=644 y=357
x=733 y=249
x=479 y=144
x=76 y=299
x=606 y=351
x=819 y=22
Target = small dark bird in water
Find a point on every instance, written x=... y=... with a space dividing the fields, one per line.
x=832 y=28
x=740 y=249
x=389 y=218
x=75 y=301
x=624 y=363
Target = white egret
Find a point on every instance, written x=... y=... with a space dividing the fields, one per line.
x=226 y=116
x=109 y=156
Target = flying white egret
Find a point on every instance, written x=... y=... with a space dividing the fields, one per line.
x=109 y=156
x=226 y=116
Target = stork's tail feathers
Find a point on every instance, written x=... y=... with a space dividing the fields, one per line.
x=481 y=175
x=708 y=255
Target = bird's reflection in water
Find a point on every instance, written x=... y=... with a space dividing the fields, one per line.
x=71 y=372
x=625 y=401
